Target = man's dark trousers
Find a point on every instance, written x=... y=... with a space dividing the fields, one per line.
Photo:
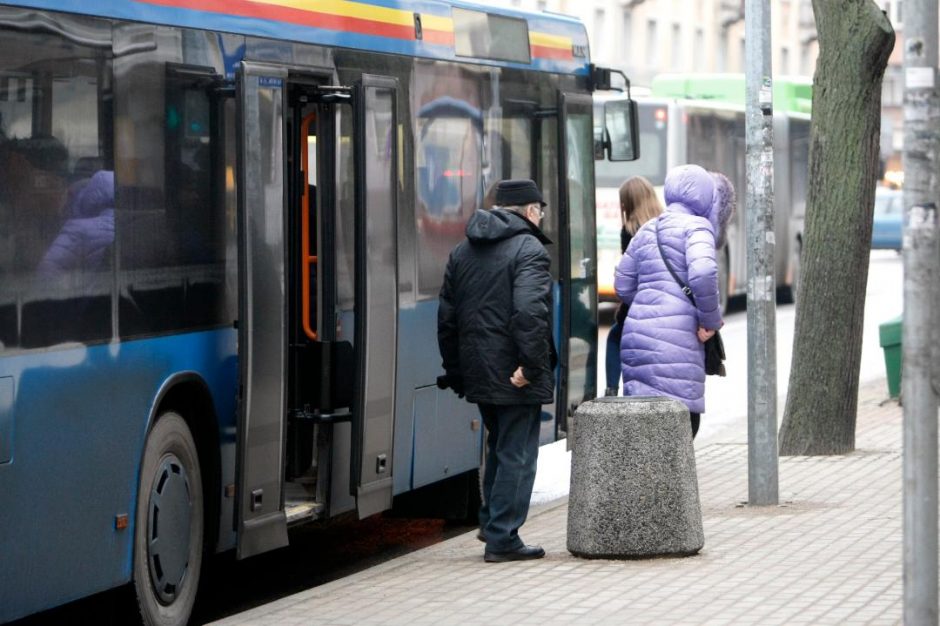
x=512 y=452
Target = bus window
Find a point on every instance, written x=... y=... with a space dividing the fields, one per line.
x=170 y=215
x=56 y=228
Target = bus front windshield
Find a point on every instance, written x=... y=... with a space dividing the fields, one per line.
x=652 y=161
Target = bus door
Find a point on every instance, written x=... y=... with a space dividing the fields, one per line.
x=578 y=254
x=343 y=296
x=377 y=140
x=262 y=340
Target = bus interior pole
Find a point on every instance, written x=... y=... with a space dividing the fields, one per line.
x=761 y=290
x=920 y=341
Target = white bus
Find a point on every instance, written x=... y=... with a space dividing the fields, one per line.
x=700 y=119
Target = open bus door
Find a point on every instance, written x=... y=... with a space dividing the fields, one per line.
x=340 y=384
x=578 y=260
x=290 y=377
x=376 y=336
x=262 y=339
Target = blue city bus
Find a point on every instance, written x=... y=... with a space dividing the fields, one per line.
x=223 y=229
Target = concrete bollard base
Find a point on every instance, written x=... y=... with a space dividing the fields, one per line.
x=634 y=490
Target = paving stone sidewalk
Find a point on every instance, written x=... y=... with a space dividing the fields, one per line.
x=829 y=554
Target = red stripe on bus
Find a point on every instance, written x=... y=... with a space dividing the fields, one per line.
x=547 y=52
x=270 y=12
x=440 y=37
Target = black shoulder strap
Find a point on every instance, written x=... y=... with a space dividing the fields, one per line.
x=685 y=288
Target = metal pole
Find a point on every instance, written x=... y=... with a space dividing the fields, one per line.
x=761 y=290
x=920 y=419
x=921 y=334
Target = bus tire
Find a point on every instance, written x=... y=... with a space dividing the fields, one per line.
x=168 y=527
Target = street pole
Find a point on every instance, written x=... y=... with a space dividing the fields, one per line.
x=920 y=335
x=920 y=419
x=761 y=289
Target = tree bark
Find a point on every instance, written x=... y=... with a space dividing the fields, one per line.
x=855 y=40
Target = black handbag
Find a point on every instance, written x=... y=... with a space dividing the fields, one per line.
x=714 y=347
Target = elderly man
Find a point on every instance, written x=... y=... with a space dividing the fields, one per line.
x=494 y=333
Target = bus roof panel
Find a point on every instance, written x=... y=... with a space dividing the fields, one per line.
x=557 y=43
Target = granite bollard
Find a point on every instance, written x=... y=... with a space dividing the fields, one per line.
x=634 y=490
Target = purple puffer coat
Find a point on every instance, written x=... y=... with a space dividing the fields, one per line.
x=660 y=353
x=87 y=234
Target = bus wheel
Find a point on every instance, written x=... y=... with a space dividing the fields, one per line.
x=168 y=524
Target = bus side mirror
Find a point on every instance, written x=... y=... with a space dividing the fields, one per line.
x=621 y=122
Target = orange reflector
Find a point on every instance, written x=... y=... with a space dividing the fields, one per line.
x=120 y=521
x=660 y=115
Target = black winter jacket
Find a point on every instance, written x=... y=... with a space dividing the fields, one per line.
x=496 y=311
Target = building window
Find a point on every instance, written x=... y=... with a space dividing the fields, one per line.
x=676 y=47
x=699 y=47
x=627 y=33
x=599 y=44
x=723 y=52
x=784 y=60
x=652 y=46
x=805 y=60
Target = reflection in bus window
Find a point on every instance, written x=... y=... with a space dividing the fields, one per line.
x=54 y=134
x=170 y=210
x=448 y=156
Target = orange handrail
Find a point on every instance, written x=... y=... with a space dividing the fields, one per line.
x=307 y=259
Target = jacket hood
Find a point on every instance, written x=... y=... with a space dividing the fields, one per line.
x=499 y=224
x=723 y=207
x=96 y=196
x=692 y=187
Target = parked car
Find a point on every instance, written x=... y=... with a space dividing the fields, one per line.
x=889 y=219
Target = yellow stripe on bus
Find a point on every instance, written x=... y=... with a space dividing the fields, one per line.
x=549 y=41
x=364 y=11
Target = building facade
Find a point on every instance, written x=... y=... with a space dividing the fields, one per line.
x=644 y=38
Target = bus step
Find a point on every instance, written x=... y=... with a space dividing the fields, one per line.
x=302 y=512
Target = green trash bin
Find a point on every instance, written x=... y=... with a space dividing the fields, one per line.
x=889 y=335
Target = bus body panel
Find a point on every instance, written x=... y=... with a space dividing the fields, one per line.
x=444 y=101
x=381 y=26
x=63 y=443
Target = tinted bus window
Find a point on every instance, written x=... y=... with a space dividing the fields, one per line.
x=172 y=187
x=56 y=190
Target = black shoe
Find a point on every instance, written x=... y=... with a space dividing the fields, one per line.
x=481 y=536
x=524 y=553
x=611 y=392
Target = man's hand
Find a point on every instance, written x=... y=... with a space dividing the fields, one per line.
x=518 y=380
x=704 y=334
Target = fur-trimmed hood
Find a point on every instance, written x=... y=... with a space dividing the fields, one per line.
x=724 y=204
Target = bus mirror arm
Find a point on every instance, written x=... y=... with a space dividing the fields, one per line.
x=601 y=80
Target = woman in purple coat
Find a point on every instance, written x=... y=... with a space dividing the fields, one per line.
x=661 y=350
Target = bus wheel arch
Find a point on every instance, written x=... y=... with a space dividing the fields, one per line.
x=188 y=396
x=169 y=524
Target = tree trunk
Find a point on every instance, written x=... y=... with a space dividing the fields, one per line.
x=855 y=40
